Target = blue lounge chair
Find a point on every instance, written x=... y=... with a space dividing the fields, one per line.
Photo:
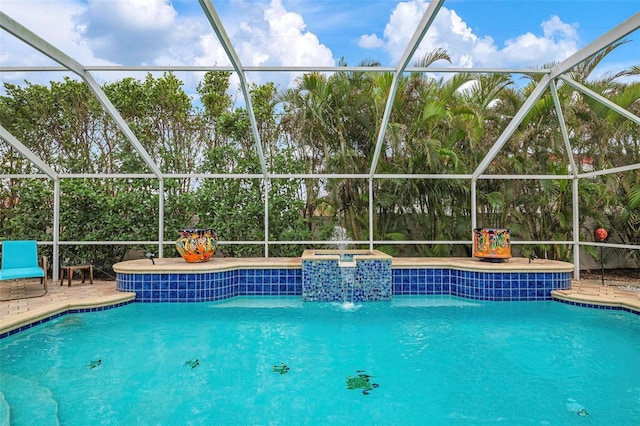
x=20 y=260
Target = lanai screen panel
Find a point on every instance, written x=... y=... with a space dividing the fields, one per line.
x=356 y=100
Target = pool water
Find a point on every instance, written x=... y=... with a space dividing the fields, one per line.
x=415 y=360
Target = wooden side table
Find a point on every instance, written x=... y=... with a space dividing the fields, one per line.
x=67 y=271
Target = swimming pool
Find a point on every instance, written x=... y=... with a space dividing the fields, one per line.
x=435 y=360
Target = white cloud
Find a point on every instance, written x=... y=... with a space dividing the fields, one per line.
x=53 y=22
x=38 y=19
x=265 y=32
x=370 y=41
x=460 y=28
x=554 y=27
x=529 y=49
x=127 y=31
x=268 y=34
x=449 y=31
x=281 y=39
x=152 y=32
x=401 y=26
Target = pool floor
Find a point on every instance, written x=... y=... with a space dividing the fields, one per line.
x=433 y=360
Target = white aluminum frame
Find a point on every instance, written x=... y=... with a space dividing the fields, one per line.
x=550 y=77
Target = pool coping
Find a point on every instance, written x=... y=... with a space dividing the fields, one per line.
x=44 y=313
x=333 y=254
x=595 y=295
x=177 y=265
x=216 y=264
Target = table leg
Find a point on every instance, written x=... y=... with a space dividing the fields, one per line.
x=64 y=274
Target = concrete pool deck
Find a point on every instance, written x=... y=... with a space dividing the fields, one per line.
x=29 y=307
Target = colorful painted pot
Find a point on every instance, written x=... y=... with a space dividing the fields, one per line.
x=489 y=243
x=197 y=245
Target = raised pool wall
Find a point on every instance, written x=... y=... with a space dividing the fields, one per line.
x=173 y=280
x=346 y=275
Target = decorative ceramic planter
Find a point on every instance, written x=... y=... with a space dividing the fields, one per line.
x=197 y=245
x=491 y=244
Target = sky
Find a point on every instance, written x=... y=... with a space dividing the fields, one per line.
x=492 y=33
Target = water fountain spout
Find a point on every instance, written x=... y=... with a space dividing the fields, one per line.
x=348 y=276
x=339 y=235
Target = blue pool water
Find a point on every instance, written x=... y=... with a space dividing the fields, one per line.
x=435 y=360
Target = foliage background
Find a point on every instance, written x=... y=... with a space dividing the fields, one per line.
x=325 y=124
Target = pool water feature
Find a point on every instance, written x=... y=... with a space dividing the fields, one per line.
x=435 y=360
x=348 y=276
x=335 y=275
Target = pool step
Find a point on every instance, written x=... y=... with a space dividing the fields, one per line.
x=27 y=402
x=4 y=411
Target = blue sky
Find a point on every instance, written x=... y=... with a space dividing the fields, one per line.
x=503 y=33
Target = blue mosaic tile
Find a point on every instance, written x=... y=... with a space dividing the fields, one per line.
x=594 y=306
x=325 y=280
x=182 y=287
